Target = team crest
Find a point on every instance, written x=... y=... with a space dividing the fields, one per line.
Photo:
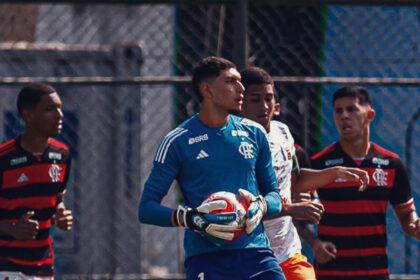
x=55 y=172
x=245 y=149
x=380 y=177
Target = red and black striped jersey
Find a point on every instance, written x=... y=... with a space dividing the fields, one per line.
x=356 y=221
x=31 y=183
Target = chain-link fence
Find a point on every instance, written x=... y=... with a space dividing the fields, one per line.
x=123 y=70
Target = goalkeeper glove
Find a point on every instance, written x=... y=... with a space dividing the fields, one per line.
x=200 y=219
x=257 y=207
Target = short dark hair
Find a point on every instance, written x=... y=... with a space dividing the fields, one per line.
x=257 y=76
x=208 y=67
x=353 y=91
x=30 y=95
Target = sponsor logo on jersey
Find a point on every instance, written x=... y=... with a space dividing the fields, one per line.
x=54 y=172
x=52 y=155
x=202 y=154
x=240 y=133
x=380 y=177
x=197 y=139
x=246 y=149
x=335 y=161
x=380 y=161
x=19 y=160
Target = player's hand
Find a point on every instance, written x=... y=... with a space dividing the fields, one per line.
x=354 y=174
x=414 y=227
x=25 y=228
x=63 y=218
x=324 y=251
x=200 y=219
x=305 y=211
x=257 y=207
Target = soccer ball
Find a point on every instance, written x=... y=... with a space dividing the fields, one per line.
x=235 y=204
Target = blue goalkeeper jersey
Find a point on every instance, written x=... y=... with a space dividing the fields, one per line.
x=205 y=160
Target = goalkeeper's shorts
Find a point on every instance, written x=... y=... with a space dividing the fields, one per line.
x=255 y=264
x=298 y=268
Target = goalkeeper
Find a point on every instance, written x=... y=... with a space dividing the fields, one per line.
x=214 y=151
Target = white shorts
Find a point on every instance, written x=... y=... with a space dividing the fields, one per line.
x=13 y=275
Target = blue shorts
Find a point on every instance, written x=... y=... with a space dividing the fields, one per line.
x=255 y=264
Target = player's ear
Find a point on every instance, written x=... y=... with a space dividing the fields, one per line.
x=277 y=109
x=205 y=89
x=26 y=115
x=371 y=114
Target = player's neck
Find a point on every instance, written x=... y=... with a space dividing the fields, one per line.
x=355 y=148
x=213 y=118
x=33 y=143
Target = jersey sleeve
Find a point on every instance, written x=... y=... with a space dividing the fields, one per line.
x=401 y=190
x=163 y=173
x=66 y=175
x=266 y=177
x=63 y=186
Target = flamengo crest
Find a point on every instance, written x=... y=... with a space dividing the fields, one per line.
x=380 y=177
x=55 y=172
x=245 y=149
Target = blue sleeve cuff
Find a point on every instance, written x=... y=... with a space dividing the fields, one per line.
x=155 y=214
x=274 y=204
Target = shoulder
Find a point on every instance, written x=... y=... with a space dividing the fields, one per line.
x=57 y=144
x=7 y=147
x=384 y=152
x=180 y=131
x=328 y=150
x=383 y=157
x=58 y=150
x=176 y=136
x=248 y=124
x=279 y=127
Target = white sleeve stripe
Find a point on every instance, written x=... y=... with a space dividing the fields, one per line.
x=164 y=147
x=165 y=140
x=402 y=205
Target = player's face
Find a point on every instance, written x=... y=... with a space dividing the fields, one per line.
x=47 y=117
x=259 y=104
x=226 y=91
x=351 y=118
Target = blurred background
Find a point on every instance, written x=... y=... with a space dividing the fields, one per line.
x=122 y=69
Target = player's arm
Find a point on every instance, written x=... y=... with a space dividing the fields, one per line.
x=324 y=251
x=402 y=201
x=267 y=202
x=163 y=173
x=266 y=178
x=200 y=219
x=304 y=211
x=150 y=210
x=25 y=228
x=409 y=219
x=63 y=217
x=309 y=179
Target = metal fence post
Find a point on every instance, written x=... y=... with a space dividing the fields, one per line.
x=240 y=31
